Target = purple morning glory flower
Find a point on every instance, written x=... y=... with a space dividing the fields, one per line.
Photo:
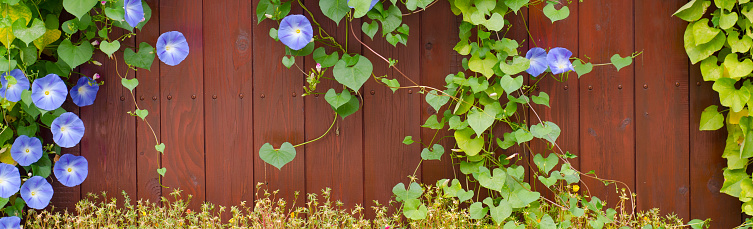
x=373 y=3
x=172 y=48
x=48 y=92
x=10 y=180
x=10 y=222
x=134 y=12
x=71 y=170
x=26 y=150
x=85 y=91
x=13 y=92
x=67 y=130
x=36 y=192
x=537 y=56
x=559 y=60
x=295 y=31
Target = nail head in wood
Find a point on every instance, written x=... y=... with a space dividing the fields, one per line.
x=619 y=86
x=169 y=97
x=677 y=84
x=122 y=98
x=698 y=83
x=645 y=86
x=142 y=98
x=372 y=92
x=154 y=97
x=193 y=96
x=294 y=94
x=214 y=96
x=410 y=91
x=590 y=87
x=262 y=96
x=566 y=87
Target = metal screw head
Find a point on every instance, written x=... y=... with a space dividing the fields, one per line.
x=372 y=92
x=619 y=86
x=698 y=83
x=410 y=91
x=142 y=98
x=169 y=97
x=154 y=97
x=317 y=95
x=428 y=46
x=193 y=96
x=294 y=94
x=590 y=87
x=214 y=96
x=566 y=87
x=677 y=84
x=645 y=86
x=122 y=98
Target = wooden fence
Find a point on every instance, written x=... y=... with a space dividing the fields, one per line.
x=232 y=94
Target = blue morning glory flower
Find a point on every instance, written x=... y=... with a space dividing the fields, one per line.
x=172 y=48
x=10 y=222
x=134 y=12
x=295 y=31
x=71 y=170
x=67 y=130
x=559 y=60
x=538 y=61
x=26 y=150
x=373 y=3
x=85 y=91
x=10 y=180
x=36 y=192
x=13 y=92
x=48 y=92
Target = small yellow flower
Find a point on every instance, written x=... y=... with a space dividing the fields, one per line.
x=231 y=220
x=575 y=188
x=645 y=218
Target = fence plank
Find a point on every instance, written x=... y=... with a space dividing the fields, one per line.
x=335 y=161
x=391 y=117
x=148 y=95
x=183 y=111
x=278 y=116
x=662 y=173
x=229 y=133
x=607 y=134
x=65 y=198
x=109 y=143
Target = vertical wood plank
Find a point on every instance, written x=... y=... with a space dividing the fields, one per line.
x=335 y=161
x=65 y=198
x=109 y=143
x=148 y=95
x=706 y=162
x=662 y=147
x=183 y=111
x=229 y=129
x=439 y=29
x=564 y=107
x=277 y=116
x=607 y=133
x=390 y=117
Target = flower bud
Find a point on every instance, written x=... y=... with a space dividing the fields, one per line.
x=96 y=63
x=268 y=16
x=318 y=67
x=511 y=156
x=493 y=94
x=96 y=76
x=95 y=42
x=103 y=2
x=29 y=174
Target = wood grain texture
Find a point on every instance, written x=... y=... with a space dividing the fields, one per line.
x=278 y=116
x=335 y=161
x=228 y=73
x=148 y=98
x=564 y=98
x=607 y=133
x=391 y=117
x=662 y=152
x=437 y=40
x=182 y=113
x=65 y=198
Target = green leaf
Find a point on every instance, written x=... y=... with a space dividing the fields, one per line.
x=500 y=212
x=321 y=57
x=480 y=121
x=43 y=167
x=129 y=83
x=554 y=14
x=109 y=47
x=142 y=113
x=413 y=192
x=392 y=83
x=697 y=223
x=79 y=7
x=336 y=100
x=725 y=4
x=736 y=68
x=75 y=55
x=29 y=130
x=521 y=135
x=732 y=181
x=434 y=153
x=353 y=76
x=49 y=37
x=471 y=146
x=510 y=84
x=370 y=29
x=348 y=108
x=518 y=65
x=432 y=123
x=28 y=35
x=693 y=10
x=702 y=33
x=162 y=171
x=485 y=178
x=477 y=210
x=393 y=19
x=582 y=69
x=546 y=164
x=305 y=51
x=737 y=44
x=115 y=12
x=711 y=119
x=28 y=55
x=142 y=59
x=710 y=70
x=697 y=53
x=495 y=23
x=277 y=157
x=621 y=62
x=288 y=61
x=548 y=182
x=408 y=140
x=547 y=223
x=483 y=66
x=361 y=7
x=435 y=100
x=515 y=5
x=334 y=9
x=522 y=198
x=465 y=195
x=542 y=98
x=414 y=209
x=726 y=21
x=160 y=147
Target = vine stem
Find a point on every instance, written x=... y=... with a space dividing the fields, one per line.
x=380 y=56
x=133 y=97
x=320 y=137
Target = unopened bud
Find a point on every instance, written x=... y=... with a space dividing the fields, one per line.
x=457 y=150
x=96 y=63
x=312 y=40
x=318 y=67
x=95 y=42
x=29 y=174
x=493 y=94
x=96 y=76
x=511 y=156
x=268 y=16
x=103 y=2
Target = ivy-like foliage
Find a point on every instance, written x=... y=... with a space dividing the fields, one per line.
x=722 y=46
x=489 y=92
x=38 y=58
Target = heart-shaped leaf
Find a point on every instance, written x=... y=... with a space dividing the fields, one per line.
x=408 y=140
x=517 y=65
x=277 y=157
x=542 y=98
x=727 y=20
x=160 y=147
x=515 y=5
x=522 y=197
x=548 y=182
x=736 y=68
x=465 y=195
x=28 y=35
x=510 y=84
x=711 y=119
x=142 y=113
x=75 y=55
x=370 y=29
x=392 y=83
x=348 y=108
x=737 y=44
x=545 y=164
x=477 y=210
x=79 y=7
x=500 y=212
x=336 y=100
x=703 y=33
x=481 y=120
x=697 y=53
x=554 y=14
x=731 y=97
x=621 y=62
x=334 y=9
x=321 y=57
x=288 y=61
x=414 y=209
x=487 y=180
x=413 y=192
x=581 y=68
x=162 y=171
x=129 y=83
x=109 y=47
x=710 y=69
x=48 y=38
x=693 y=10
x=353 y=76
x=435 y=100
x=484 y=66
x=471 y=146
x=142 y=59
x=433 y=153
